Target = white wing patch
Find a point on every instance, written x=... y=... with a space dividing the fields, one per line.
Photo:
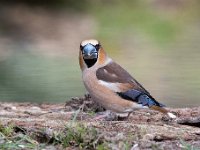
x=112 y=86
x=110 y=74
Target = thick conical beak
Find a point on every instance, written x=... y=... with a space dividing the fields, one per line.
x=89 y=52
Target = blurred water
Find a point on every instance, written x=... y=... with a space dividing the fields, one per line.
x=26 y=77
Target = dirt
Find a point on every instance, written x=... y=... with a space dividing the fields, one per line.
x=144 y=129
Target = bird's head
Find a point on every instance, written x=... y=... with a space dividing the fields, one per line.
x=90 y=52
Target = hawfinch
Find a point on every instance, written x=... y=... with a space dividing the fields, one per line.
x=110 y=85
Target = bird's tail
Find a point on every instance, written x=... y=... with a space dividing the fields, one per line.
x=163 y=110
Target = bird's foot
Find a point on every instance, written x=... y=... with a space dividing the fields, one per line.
x=123 y=116
x=111 y=116
x=106 y=116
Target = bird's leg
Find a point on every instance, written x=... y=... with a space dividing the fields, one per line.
x=106 y=115
x=128 y=115
x=121 y=118
x=111 y=116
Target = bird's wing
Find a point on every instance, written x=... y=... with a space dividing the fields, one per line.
x=140 y=98
x=113 y=73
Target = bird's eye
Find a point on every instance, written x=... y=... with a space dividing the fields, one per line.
x=81 y=47
x=97 y=46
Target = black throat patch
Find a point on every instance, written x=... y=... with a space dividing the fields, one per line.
x=90 y=62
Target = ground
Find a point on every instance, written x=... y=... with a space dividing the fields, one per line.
x=73 y=126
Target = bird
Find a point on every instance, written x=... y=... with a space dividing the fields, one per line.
x=110 y=85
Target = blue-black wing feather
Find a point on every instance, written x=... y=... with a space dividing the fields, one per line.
x=140 y=98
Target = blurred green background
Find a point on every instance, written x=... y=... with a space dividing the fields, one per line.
x=158 y=41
